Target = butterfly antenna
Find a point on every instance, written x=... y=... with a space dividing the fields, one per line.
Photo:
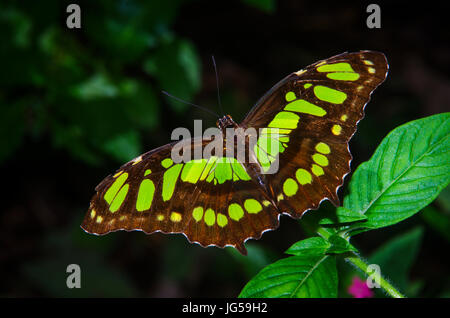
x=195 y=105
x=217 y=84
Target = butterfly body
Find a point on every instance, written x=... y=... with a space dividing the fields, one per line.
x=219 y=200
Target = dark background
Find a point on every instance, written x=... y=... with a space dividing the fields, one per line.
x=76 y=104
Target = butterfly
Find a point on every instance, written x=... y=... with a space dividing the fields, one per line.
x=220 y=201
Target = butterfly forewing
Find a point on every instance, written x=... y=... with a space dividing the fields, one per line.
x=211 y=201
x=316 y=111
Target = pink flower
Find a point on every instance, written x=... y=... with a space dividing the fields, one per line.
x=359 y=289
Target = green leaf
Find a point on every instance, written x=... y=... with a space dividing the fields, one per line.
x=70 y=245
x=310 y=222
x=124 y=147
x=407 y=171
x=142 y=104
x=339 y=245
x=310 y=246
x=97 y=86
x=295 y=277
x=439 y=221
x=178 y=70
x=343 y=215
x=396 y=257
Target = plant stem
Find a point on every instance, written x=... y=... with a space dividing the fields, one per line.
x=362 y=265
x=358 y=262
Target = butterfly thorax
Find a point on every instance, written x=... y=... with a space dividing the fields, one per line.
x=252 y=167
x=226 y=122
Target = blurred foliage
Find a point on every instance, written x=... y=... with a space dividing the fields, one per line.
x=397 y=256
x=256 y=259
x=438 y=220
x=264 y=5
x=99 y=278
x=91 y=91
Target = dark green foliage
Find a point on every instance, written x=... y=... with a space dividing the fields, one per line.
x=92 y=91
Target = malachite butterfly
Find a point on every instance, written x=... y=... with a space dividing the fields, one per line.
x=219 y=201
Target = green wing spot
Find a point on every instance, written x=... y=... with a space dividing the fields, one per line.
x=252 y=206
x=222 y=170
x=118 y=174
x=343 y=76
x=307 y=85
x=192 y=170
x=339 y=71
x=268 y=146
x=210 y=217
x=210 y=177
x=211 y=161
x=175 y=217
x=268 y=131
x=290 y=187
x=169 y=181
x=115 y=187
x=336 y=67
x=303 y=176
x=336 y=129
x=290 y=96
x=320 y=159
x=235 y=211
x=197 y=213
x=238 y=170
x=323 y=148
x=317 y=170
x=284 y=139
x=118 y=200
x=166 y=163
x=147 y=172
x=263 y=158
x=221 y=220
x=329 y=94
x=286 y=120
x=145 y=195
x=303 y=106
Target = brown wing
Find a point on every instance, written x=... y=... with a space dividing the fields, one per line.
x=214 y=202
x=211 y=201
x=316 y=111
